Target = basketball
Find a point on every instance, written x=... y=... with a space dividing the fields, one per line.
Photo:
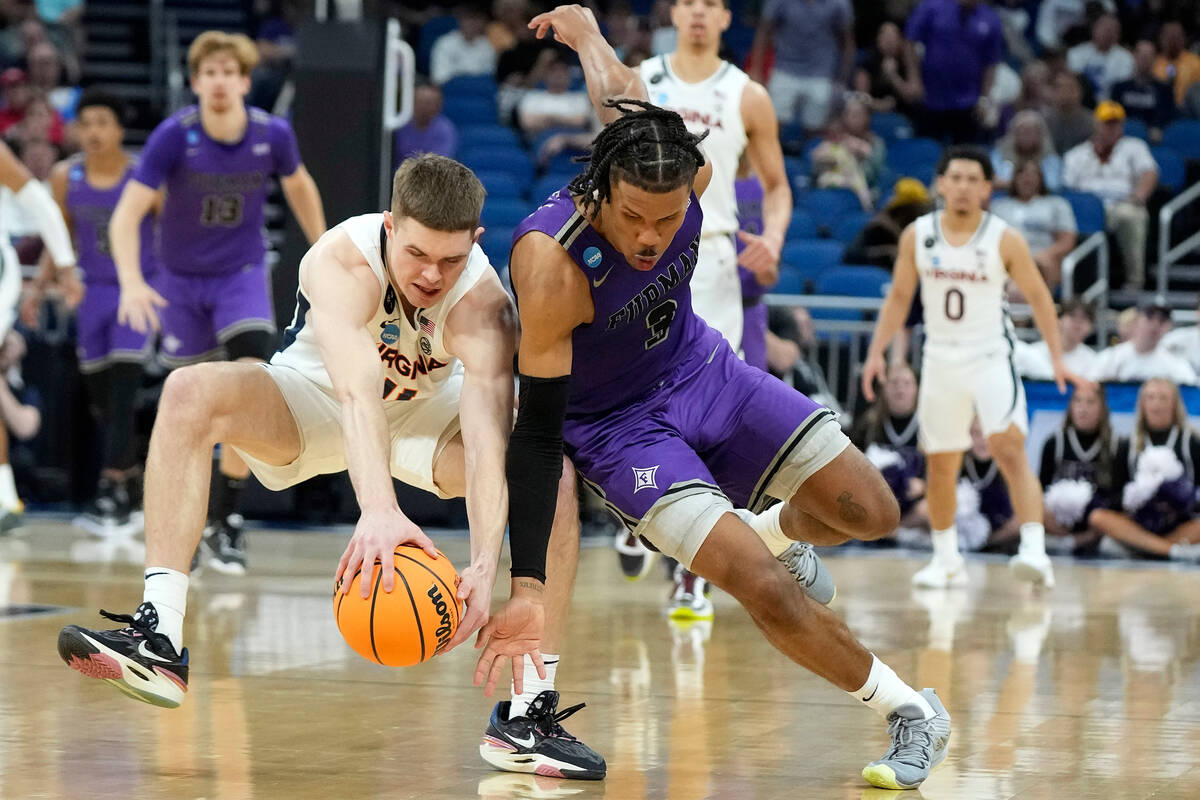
x=412 y=623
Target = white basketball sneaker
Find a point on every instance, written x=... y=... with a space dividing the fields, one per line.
x=942 y=573
x=1033 y=566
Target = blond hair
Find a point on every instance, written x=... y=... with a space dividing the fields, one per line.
x=210 y=43
x=1140 y=429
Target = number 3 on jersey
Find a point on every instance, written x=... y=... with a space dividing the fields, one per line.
x=954 y=305
x=658 y=322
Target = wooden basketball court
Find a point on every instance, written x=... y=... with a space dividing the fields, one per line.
x=1091 y=692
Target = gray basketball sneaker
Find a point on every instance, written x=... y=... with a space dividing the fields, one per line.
x=805 y=565
x=918 y=745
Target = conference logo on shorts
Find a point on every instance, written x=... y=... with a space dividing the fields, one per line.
x=592 y=257
x=644 y=478
x=390 y=334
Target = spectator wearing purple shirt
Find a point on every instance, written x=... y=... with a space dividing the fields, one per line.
x=215 y=161
x=963 y=42
x=814 y=52
x=429 y=131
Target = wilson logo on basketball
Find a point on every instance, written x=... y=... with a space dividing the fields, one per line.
x=444 y=628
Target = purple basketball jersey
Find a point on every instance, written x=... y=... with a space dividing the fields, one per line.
x=212 y=223
x=644 y=326
x=91 y=209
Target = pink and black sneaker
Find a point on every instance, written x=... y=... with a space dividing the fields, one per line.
x=136 y=659
x=537 y=743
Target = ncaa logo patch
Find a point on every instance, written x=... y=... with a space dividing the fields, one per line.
x=390 y=334
x=592 y=257
x=193 y=137
x=644 y=478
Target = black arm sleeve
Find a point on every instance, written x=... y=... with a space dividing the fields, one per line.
x=534 y=466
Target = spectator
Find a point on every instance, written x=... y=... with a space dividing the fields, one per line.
x=963 y=41
x=39 y=157
x=464 y=51
x=623 y=31
x=1144 y=96
x=1185 y=343
x=887 y=433
x=663 y=36
x=1076 y=321
x=1028 y=139
x=1046 y=221
x=1175 y=64
x=1155 y=472
x=1126 y=322
x=1069 y=122
x=523 y=65
x=890 y=76
x=843 y=159
x=45 y=76
x=40 y=122
x=556 y=106
x=276 y=42
x=17 y=94
x=814 y=53
x=984 y=516
x=856 y=121
x=429 y=130
x=1077 y=468
x=64 y=22
x=1120 y=170
x=1014 y=16
x=791 y=350
x=1142 y=358
x=1057 y=18
x=509 y=17
x=1103 y=60
x=878 y=243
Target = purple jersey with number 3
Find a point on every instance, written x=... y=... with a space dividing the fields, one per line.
x=91 y=209
x=643 y=326
x=212 y=222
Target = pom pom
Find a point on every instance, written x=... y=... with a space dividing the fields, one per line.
x=1068 y=500
x=1155 y=466
x=882 y=458
x=973 y=527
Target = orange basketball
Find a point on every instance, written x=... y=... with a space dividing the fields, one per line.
x=412 y=623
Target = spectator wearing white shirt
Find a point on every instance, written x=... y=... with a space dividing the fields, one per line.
x=1102 y=60
x=1120 y=170
x=556 y=106
x=1028 y=139
x=1185 y=343
x=465 y=51
x=1142 y=357
x=1057 y=17
x=1076 y=321
x=1046 y=221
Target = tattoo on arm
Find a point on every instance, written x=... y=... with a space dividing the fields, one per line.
x=533 y=585
x=849 y=510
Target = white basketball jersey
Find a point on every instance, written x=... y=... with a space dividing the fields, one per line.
x=713 y=105
x=962 y=289
x=415 y=361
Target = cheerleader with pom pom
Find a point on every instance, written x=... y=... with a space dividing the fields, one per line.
x=1156 y=472
x=1077 y=470
x=984 y=515
x=887 y=434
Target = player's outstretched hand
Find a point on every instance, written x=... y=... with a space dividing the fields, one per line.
x=138 y=307
x=1063 y=376
x=475 y=591
x=376 y=537
x=873 y=369
x=760 y=254
x=570 y=24
x=513 y=632
x=71 y=288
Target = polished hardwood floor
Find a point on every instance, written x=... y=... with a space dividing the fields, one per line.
x=1091 y=691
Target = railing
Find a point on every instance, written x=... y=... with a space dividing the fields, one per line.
x=1097 y=292
x=176 y=84
x=1169 y=257
x=399 y=80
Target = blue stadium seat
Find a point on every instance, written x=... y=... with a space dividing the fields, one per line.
x=504 y=212
x=1137 y=129
x=512 y=160
x=914 y=158
x=827 y=205
x=891 y=126
x=847 y=226
x=1183 y=136
x=470 y=136
x=812 y=257
x=1089 y=211
x=472 y=110
x=468 y=85
x=548 y=185
x=500 y=184
x=565 y=162
x=431 y=31
x=497 y=242
x=802 y=226
x=854 y=281
x=791 y=281
x=1172 y=171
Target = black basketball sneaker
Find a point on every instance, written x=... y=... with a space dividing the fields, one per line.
x=537 y=743
x=136 y=659
x=226 y=544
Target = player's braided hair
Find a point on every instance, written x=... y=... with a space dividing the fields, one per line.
x=647 y=146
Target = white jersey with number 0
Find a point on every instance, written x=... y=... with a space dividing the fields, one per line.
x=713 y=105
x=962 y=290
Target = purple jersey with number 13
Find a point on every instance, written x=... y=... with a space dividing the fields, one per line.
x=212 y=222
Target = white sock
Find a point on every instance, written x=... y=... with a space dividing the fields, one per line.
x=885 y=692
x=533 y=684
x=945 y=545
x=8 y=489
x=167 y=590
x=1033 y=537
x=767 y=526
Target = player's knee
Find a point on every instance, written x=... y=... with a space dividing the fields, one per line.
x=186 y=406
x=883 y=516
